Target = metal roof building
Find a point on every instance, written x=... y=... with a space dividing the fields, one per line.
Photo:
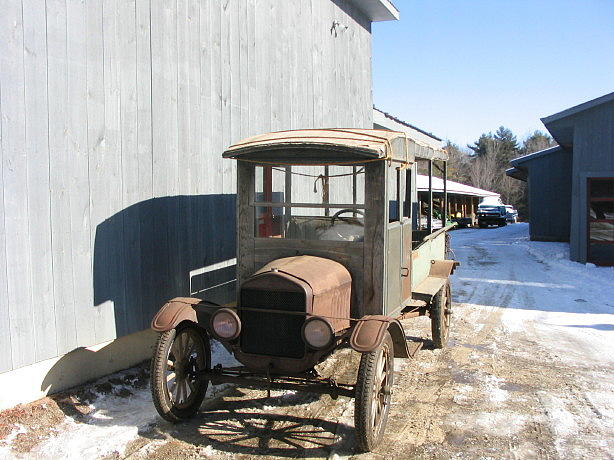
x=571 y=186
x=455 y=188
x=462 y=198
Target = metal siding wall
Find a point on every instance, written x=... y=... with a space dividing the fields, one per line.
x=550 y=197
x=114 y=117
x=593 y=145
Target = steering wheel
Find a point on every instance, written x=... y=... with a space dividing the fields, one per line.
x=343 y=211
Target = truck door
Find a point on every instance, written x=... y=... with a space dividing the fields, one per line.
x=394 y=240
x=408 y=187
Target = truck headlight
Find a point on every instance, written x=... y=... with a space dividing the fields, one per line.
x=225 y=324
x=317 y=333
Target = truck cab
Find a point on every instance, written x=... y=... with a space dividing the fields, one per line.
x=492 y=215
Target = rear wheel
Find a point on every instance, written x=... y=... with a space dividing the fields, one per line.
x=176 y=386
x=373 y=394
x=441 y=311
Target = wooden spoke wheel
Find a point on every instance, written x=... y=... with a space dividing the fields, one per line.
x=441 y=312
x=176 y=386
x=373 y=394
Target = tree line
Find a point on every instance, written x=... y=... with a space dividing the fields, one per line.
x=483 y=163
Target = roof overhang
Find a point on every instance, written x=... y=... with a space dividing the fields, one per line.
x=377 y=10
x=383 y=120
x=533 y=156
x=520 y=165
x=517 y=173
x=561 y=124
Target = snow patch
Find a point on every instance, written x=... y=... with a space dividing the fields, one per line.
x=561 y=421
x=113 y=422
x=503 y=423
x=492 y=387
x=461 y=395
x=5 y=444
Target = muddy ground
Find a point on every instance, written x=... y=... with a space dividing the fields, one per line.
x=527 y=374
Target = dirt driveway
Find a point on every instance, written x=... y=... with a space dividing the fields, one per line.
x=528 y=374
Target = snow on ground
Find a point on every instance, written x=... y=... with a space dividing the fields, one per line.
x=113 y=420
x=569 y=303
x=552 y=307
x=112 y=424
x=529 y=373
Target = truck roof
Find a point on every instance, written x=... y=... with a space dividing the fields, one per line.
x=332 y=146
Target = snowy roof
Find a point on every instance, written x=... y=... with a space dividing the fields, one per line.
x=453 y=187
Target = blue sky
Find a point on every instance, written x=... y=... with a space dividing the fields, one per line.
x=458 y=68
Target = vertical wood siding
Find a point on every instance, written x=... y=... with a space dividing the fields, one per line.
x=593 y=156
x=114 y=115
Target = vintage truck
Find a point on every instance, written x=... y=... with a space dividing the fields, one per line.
x=326 y=259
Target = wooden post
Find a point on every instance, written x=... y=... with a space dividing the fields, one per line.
x=325 y=191
x=354 y=185
x=445 y=195
x=267 y=218
x=429 y=217
x=287 y=198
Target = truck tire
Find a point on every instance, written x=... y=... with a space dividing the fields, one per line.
x=373 y=394
x=179 y=354
x=441 y=312
x=482 y=225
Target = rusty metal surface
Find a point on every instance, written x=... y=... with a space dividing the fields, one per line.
x=174 y=312
x=369 y=333
x=329 y=285
x=442 y=268
x=399 y=339
x=267 y=382
x=320 y=273
x=326 y=286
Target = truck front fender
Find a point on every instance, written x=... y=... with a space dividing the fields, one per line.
x=368 y=334
x=174 y=312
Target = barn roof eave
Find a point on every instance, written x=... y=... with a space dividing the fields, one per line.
x=378 y=10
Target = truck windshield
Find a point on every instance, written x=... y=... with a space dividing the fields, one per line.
x=309 y=202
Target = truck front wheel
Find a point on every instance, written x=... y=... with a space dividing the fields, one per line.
x=373 y=394
x=177 y=385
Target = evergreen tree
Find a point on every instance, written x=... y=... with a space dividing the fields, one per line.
x=536 y=142
x=507 y=138
x=483 y=145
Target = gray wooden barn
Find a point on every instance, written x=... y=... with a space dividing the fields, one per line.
x=113 y=193
x=571 y=186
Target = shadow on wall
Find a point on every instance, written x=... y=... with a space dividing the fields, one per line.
x=160 y=248
x=145 y=255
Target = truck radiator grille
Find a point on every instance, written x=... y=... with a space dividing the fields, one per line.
x=271 y=333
